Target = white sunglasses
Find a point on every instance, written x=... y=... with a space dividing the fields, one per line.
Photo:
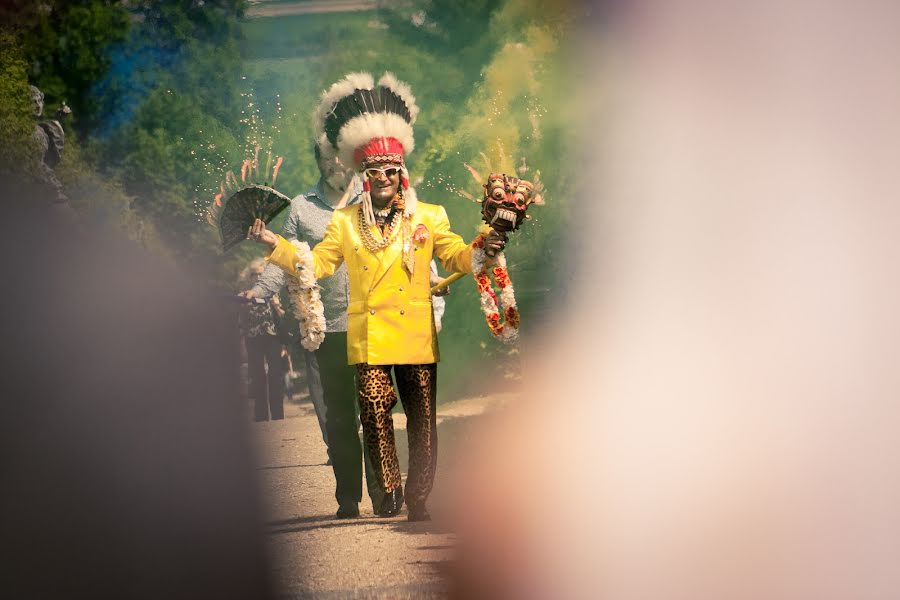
x=389 y=172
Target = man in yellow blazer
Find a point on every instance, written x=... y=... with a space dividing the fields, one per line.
x=387 y=242
x=390 y=324
x=390 y=315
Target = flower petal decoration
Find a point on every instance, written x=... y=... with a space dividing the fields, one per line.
x=506 y=331
x=421 y=233
x=304 y=292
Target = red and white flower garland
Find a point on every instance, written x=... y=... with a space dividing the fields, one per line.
x=304 y=292
x=507 y=331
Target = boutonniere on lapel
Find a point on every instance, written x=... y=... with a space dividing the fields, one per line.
x=421 y=234
x=412 y=241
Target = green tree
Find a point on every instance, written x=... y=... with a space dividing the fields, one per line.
x=492 y=81
x=162 y=118
x=457 y=28
x=173 y=23
x=18 y=153
x=65 y=43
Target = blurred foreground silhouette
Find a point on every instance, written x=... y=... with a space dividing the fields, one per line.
x=125 y=462
x=714 y=415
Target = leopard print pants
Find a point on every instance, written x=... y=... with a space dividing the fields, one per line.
x=417 y=385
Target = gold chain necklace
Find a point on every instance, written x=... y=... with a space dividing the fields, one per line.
x=388 y=236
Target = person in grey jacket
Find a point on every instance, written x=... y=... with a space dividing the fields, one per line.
x=331 y=381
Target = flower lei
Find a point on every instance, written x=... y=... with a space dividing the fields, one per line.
x=507 y=331
x=304 y=292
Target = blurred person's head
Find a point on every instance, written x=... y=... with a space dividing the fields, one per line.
x=251 y=273
x=333 y=172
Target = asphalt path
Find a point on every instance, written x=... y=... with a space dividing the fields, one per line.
x=315 y=555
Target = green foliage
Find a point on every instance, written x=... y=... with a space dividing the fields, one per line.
x=65 y=42
x=159 y=158
x=101 y=201
x=19 y=152
x=305 y=36
x=157 y=90
x=299 y=56
x=515 y=120
x=492 y=81
x=182 y=134
x=457 y=28
x=173 y=23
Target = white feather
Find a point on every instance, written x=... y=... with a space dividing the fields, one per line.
x=368 y=212
x=325 y=148
x=341 y=88
x=359 y=130
x=411 y=200
x=390 y=81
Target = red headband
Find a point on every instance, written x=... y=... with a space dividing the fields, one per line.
x=379 y=150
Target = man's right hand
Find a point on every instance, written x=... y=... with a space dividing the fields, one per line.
x=260 y=234
x=249 y=294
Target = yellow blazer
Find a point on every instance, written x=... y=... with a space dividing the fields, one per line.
x=390 y=320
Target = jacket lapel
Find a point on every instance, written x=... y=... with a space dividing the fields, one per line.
x=388 y=257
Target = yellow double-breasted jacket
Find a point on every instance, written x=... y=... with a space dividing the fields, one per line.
x=390 y=320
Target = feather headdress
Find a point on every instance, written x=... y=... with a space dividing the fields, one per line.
x=363 y=124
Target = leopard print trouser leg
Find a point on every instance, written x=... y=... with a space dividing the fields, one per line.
x=376 y=399
x=418 y=392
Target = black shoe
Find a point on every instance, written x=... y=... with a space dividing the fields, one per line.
x=418 y=513
x=347 y=511
x=392 y=503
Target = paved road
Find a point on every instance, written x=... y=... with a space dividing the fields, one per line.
x=266 y=9
x=317 y=556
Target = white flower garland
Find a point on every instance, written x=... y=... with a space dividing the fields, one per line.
x=304 y=292
x=508 y=332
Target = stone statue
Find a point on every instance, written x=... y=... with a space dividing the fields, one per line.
x=50 y=137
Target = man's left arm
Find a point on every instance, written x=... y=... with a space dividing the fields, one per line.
x=453 y=252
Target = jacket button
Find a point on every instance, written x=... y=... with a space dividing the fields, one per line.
x=401 y=289
x=365 y=267
x=402 y=312
x=356 y=247
x=371 y=311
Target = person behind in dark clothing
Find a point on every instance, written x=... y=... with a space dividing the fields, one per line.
x=259 y=326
